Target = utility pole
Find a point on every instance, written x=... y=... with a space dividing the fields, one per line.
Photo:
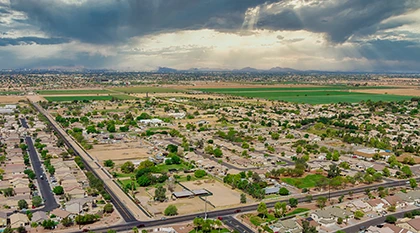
x=205 y=208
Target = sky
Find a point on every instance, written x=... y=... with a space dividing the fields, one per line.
x=142 y=35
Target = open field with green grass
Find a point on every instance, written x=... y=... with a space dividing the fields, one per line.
x=75 y=92
x=297 y=211
x=308 y=181
x=144 y=90
x=310 y=95
x=87 y=98
x=10 y=93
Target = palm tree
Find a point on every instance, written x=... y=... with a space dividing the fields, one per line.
x=218 y=223
x=135 y=230
x=198 y=222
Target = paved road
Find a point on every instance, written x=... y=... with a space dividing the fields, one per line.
x=375 y=221
x=24 y=123
x=128 y=210
x=43 y=184
x=237 y=225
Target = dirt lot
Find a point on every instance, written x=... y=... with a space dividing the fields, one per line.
x=407 y=91
x=11 y=99
x=119 y=152
x=222 y=195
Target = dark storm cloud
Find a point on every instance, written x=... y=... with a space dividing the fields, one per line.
x=114 y=21
x=340 y=19
x=31 y=40
x=390 y=50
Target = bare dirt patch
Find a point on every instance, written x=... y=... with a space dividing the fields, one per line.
x=11 y=99
x=119 y=152
x=222 y=195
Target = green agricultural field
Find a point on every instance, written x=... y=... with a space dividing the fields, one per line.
x=75 y=92
x=124 y=97
x=308 y=181
x=144 y=90
x=310 y=95
x=10 y=93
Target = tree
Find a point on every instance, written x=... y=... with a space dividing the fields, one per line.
x=358 y=214
x=390 y=219
x=217 y=152
x=413 y=183
x=49 y=224
x=283 y=191
x=198 y=222
x=22 y=204
x=200 y=173
x=127 y=167
x=8 y=230
x=243 y=198
x=262 y=209
x=109 y=163
x=21 y=229
x=386 y=172
x=172 y=148
x=160 y=194
x=340 y=220
x=58 y=190
x=280 y=209
x=293 y=202
x=67 y=221
x=334 y=171
x=144 y=181
x=321 y=202
x=36 y=201
x=309 y=198
x=171 y=210
x=407 y=171
x=307 y=228
x=108 y=208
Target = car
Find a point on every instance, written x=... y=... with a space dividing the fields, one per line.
x=237 y=211
x=140 y=225
x=42 y=177
x=380 y=225
x=163 y=218
x=220 y=218
x=85 y=230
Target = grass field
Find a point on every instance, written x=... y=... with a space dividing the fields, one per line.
x=10 y=93
x=82 y=98
x=308 y=181
x=297 y=211
x=310 y=95
x=144 y=90
x=70 y=92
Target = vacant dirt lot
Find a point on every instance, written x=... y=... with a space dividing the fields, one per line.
x=222 y=195
x=119 y=152
x=11 y=99
x=406 y=91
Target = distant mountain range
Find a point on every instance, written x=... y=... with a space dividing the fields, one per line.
x=243 y=70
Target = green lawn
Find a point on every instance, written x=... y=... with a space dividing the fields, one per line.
x=297 y=211
x=69 y=92
x=224 y=230
x=308 y=181
x=311 y=95
x=144 y=89
x=256 y=220
x=87 y=98
x=166 y=168
x=123 y=183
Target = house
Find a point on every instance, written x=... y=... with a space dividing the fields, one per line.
x=74 y=191
x=377 y=205
x=289 y=225
x=39 y=217
x=412 y=225
x=329 y=216
x=271 y=190
x=395 y=200
x=3 y=219
x=359 y=205
x=18 y=219
x=60 y=213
